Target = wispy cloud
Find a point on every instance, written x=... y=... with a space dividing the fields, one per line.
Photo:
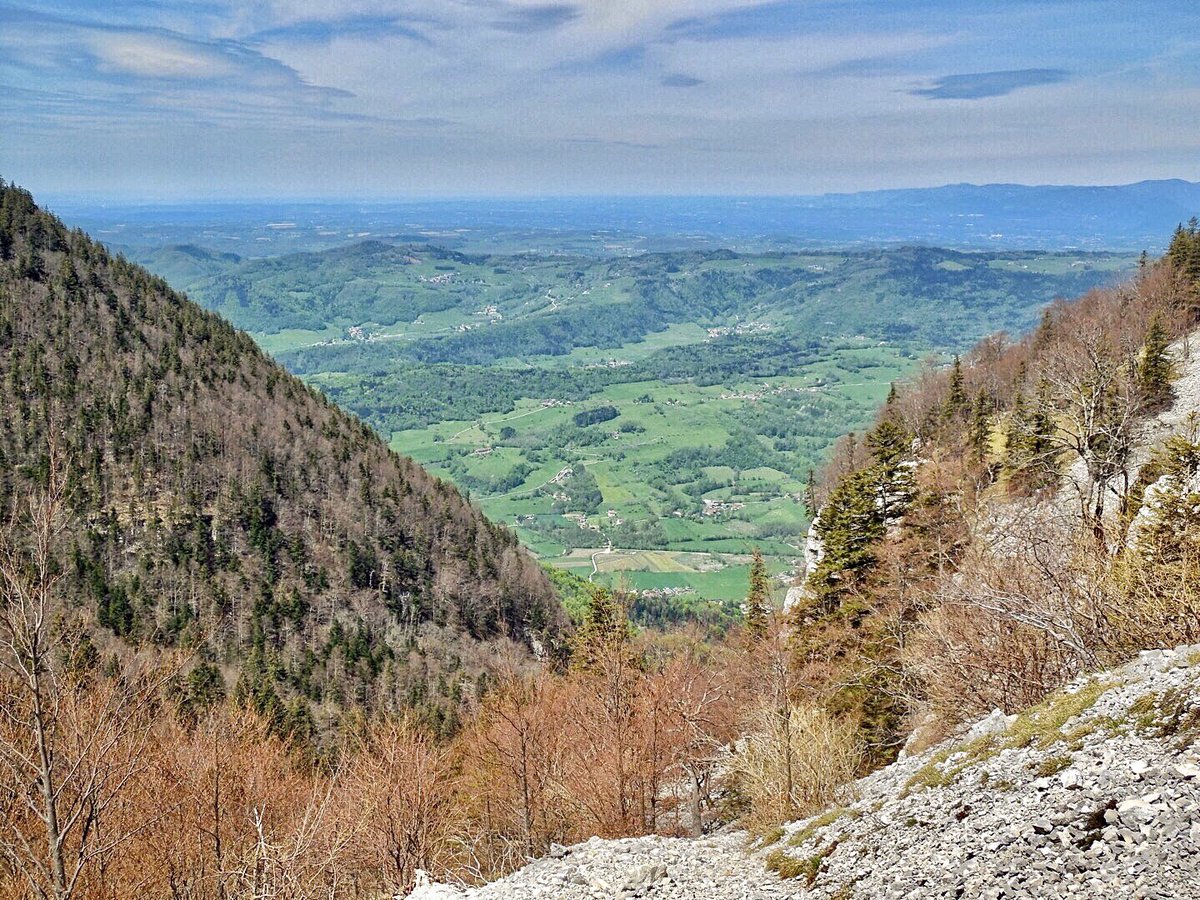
x=508 y=95
x=153 y=64
x=532 y=19
x=616 y=60
x=614 y=142
x=979 y=85
x=323 y=31
x=771 y=19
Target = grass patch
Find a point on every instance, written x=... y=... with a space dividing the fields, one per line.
x=933 y=775
x=1074 y=737
x=930 y=775
x=808 y=867
x=1041 y=726
x=815 y=825
x=1144 y=711
x=1052 y=765
x=1170 y=714
x=773 y=836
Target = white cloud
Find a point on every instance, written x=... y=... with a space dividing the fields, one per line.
x=159 y=56
x=494 y=95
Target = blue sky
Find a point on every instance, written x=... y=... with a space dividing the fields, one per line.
x=364 y=98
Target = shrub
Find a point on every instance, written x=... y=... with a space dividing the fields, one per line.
x=794 y=761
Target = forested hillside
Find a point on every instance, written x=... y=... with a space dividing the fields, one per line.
x=1021 y=516
x=207 y=567
x=216 y=505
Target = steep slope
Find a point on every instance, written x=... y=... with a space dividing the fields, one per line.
x=1093 y=793
x=973 y=549
x=220 y=506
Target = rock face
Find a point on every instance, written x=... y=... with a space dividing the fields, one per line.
x=1095 y=793
x=814 y=552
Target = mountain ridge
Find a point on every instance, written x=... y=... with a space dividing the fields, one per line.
x=221 y=507
x=1128 y=217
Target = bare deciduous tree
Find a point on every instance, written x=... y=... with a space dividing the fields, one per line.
x=71 y=745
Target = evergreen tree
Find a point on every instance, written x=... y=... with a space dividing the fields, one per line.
x=1043 y=335
x=758 y=600
x=980 y=435
x=889 y=443
x=1015 y=435
x=890 y=446
x=1029 y=454
x=1184 y=250
x=852 y=520
x=956 y=399
x=1041 y=430
x=1154 y=366
x=810 y=494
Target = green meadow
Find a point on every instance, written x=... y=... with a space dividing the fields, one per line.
x=664 y=409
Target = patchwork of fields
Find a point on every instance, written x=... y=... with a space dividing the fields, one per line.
x=666 y=407
x=657 y=466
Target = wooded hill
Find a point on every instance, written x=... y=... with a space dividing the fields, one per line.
x=219 y=506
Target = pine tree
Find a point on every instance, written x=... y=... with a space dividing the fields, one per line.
x=1041 y=429
x=890 y=446
x=1154 y=366
x=980 y=436
x=852 y=520
x=956 y=399
x=810 y=494
x=888 y=443
x=1043 y=335
x=1015 y=435
x=1029 y=441
x=759 y=598
x=1184 y=250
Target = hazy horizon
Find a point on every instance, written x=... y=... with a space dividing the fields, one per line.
x=82 y=199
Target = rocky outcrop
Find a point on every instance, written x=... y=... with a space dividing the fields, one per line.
x=1094 y=793
x=814 y=552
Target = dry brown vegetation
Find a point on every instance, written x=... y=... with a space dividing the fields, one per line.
x=135 y=798
x=114 y=786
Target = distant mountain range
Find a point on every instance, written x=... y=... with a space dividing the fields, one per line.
x=995 y=216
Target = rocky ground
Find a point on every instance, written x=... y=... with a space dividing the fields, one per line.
x=1093 y=794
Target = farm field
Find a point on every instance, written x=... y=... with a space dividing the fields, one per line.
x=669 y=406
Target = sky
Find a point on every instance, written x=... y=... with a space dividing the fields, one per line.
x=264 y=99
